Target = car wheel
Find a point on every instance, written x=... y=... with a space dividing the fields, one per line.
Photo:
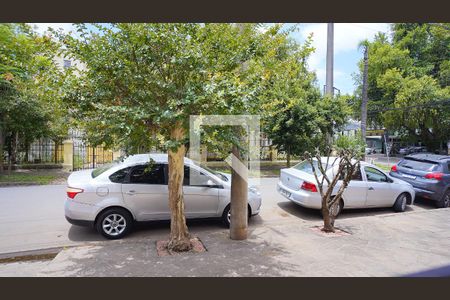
x=445 y=201
x=400 y=202
x=226 y=215
x=336 y=209
x=114 y=223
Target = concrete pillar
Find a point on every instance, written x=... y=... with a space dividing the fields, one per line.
x=68 y=155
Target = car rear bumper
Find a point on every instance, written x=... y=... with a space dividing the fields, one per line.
x=300 y=197
x=83 y=223
x=429 y=192
x=74 y=210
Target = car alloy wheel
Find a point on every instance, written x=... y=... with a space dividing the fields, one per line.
x=403 y=202
x=114 y=224
x=335 y=209
x=447 y=199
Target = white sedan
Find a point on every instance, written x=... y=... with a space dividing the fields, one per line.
x=113 y=197
x=369 y=187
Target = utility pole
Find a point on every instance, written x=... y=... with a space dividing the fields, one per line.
x=329 y=89
x=365 y=98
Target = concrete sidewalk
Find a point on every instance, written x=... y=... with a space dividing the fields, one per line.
x=380 y=245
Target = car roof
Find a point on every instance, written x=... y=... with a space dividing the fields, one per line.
x=428 y=157
x=332 y=158
x=145 y=157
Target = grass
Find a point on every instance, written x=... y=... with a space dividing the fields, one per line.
x=263 y=172
x=27 y=178
x=383 y=167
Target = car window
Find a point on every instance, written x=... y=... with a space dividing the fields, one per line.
x=448 y=167
x=418 y=165
x=199 y=179
x=357 y=176
x=103 y=169
x=119 y=176
x=147 y=174
x=305 y=166
x=375 y=175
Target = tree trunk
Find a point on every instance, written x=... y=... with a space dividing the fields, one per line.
x=328 y=222
x=288 y=157
x=364 y=97
x=56 y=151
x=239 y=194
x=179 y=234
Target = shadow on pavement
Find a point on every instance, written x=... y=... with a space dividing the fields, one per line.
x=308 y=214
x=151 y=228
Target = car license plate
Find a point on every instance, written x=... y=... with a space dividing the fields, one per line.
x=409 y=176
x=285 y=193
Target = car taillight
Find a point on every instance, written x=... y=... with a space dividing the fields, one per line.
x=72 y=192
x=309 y=186
x=436 y=175
x=394 y=168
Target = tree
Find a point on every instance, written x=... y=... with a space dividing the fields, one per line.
x=295 y=116
x=149 y=78
x=349 y=151
x=27 y=84
x=417 y=54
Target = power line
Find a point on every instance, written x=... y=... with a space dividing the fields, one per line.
x=426 y=105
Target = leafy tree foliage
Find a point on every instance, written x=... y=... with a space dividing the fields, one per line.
x=29 y=94
x=143 y=81
x=409 y=73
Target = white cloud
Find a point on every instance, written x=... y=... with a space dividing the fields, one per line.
x=41 y=28
x=346 y=38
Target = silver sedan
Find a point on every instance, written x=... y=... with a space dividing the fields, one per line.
x=369 y=187
x=113 y=197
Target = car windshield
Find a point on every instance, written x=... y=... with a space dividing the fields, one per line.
x=221 y=176
x=305 y=166
x=103 y=169
x=418 y=165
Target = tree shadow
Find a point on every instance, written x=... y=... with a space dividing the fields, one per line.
x=308 y=214
x=151 y=228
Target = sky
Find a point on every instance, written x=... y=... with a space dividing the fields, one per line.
x=346 y=53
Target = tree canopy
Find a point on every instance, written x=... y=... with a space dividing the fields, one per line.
x=408 y=82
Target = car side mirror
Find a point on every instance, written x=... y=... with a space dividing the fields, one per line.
x=211 y=184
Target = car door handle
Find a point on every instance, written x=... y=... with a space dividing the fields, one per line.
x=131 y=193
x=371 y=189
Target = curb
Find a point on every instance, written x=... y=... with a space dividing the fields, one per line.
x=40 y=254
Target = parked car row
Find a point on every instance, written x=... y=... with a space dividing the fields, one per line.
x=419 y=175
x=113 y=197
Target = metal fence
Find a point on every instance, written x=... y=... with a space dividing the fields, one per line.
x=86 y=156
x=41 y=151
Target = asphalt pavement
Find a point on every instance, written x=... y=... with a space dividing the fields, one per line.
x=32 y=217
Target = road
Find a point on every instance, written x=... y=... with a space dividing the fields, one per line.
x=33 y=217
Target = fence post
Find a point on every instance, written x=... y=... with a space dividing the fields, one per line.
x=68 y=155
